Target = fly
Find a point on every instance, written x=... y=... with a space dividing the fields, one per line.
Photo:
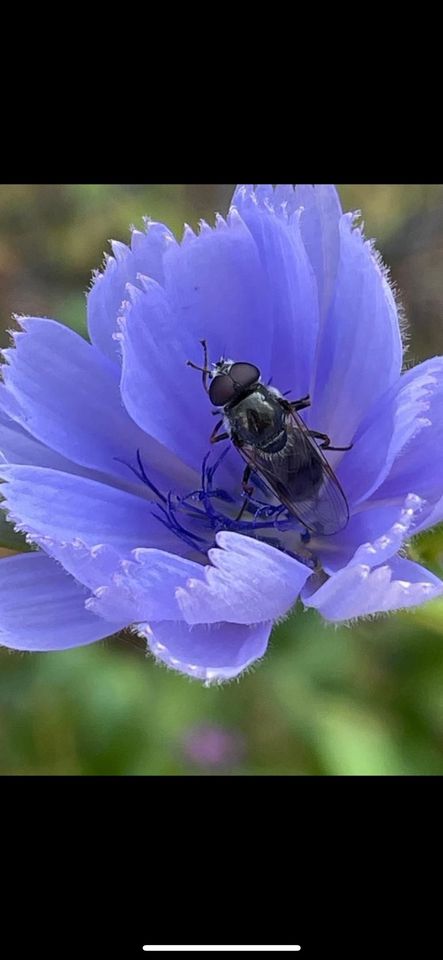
x=276 y=444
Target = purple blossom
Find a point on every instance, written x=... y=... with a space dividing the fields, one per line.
x=213 y=746
x=108 y=467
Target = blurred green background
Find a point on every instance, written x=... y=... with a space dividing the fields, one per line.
x=360 y=700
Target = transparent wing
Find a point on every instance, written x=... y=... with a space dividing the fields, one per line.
x=302 y=479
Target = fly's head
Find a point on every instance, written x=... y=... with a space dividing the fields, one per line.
x=232 y=380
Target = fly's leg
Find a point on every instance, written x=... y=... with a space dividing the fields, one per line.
x=204 y=369
x=247 y=489
x=326 y=445
x=215 y=436
x=300 y=404
x=295 y=404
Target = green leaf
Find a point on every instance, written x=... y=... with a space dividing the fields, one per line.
x=9 y=538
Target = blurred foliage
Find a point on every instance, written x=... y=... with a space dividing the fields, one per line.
x=11 y=540
x=361 y=700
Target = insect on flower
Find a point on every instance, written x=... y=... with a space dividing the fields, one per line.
x=270 y=435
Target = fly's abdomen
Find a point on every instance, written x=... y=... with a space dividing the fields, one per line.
x=303 y=479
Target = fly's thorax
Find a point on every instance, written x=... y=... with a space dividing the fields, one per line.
x=258 y=419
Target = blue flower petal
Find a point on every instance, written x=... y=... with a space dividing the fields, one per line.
x=413 y=404
x=92 y=566
x=218 y=290
x=358 y=590
x=42 y=608
x=319 y=223
x=18 y=446
x=145 y=256
x=359 y=351
x=373 y=534
x=419 y=464
x=162 y=394
x=144 y=588
x=292 y=329
x=431 y=517
x=248 y=582
x=55 y=508
x=213 y=653
x=64 y=392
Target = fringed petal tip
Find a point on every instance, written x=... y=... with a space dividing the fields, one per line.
x=359 y=591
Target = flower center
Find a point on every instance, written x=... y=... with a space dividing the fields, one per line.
x=197 y=517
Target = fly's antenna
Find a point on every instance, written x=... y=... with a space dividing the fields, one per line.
x=204 y=369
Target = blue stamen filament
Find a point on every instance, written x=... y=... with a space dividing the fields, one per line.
x=141 y=474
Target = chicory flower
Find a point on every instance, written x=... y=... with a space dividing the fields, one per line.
x=108 y=469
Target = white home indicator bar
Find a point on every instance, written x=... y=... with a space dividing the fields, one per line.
x=270 y=949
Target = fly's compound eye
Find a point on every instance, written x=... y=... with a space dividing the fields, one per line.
x=221 y=390
x=244 y=374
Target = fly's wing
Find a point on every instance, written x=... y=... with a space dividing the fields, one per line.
x=301 y=478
